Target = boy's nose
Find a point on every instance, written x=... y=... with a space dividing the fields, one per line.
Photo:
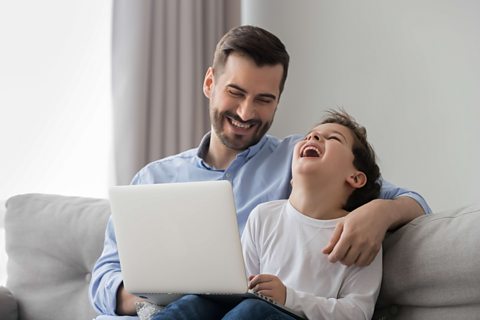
x=313 y=136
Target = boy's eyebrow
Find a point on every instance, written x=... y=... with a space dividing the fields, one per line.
x=341 y=134
x=265 y=95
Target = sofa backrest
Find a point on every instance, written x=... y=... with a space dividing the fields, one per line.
x=52 y=243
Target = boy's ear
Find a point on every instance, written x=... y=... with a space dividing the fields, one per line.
x=208 y=83
x=357 y=180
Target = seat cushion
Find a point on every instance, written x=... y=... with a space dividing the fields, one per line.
x=52 y=243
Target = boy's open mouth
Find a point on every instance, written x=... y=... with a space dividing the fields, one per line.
x=310 y=152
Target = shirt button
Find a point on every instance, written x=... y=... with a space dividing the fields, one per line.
x=228 y=175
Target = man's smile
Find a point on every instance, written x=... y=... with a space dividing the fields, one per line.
x=238 y=125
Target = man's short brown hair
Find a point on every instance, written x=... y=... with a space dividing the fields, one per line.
x=263 y=47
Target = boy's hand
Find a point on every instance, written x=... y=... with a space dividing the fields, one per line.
x=269 y=286
x=359 y=236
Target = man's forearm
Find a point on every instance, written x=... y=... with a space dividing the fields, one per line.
x=401 y=211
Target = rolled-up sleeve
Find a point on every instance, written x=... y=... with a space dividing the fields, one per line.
x=391 y=191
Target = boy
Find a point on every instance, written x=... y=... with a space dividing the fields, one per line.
x=334 y=171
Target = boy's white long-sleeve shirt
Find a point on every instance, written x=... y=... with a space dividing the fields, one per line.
x=281 y=241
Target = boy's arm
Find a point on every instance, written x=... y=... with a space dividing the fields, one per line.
x=249 y=248
x=357 y=239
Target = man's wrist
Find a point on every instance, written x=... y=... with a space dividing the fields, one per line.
x=398 y=211
x=382 y=207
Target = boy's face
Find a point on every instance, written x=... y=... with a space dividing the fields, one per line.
x=325 y=154
x=243 y=100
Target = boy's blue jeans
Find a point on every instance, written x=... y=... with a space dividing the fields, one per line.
x=196 y=307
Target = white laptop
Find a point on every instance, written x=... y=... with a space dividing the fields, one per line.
x=180 y=238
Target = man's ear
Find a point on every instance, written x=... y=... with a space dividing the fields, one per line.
x=208 y=82
x=357 y=180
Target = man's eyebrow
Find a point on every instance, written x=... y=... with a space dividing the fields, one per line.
x=234 y=86
x=264 y=95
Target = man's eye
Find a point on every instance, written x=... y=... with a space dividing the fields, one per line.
x=234 y=93
x=264 y=101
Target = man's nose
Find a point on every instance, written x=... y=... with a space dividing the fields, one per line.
x=246 y=110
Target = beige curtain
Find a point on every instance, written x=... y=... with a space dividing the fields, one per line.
x=160 y=52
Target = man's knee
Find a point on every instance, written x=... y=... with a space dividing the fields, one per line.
x=254 y=305
x=259 y=309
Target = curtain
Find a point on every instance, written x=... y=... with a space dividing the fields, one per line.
x=161 y=50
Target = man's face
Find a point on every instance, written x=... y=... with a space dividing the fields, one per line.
x=325 y=153
x=243 y=100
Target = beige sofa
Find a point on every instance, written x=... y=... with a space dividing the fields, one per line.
x=431 y=265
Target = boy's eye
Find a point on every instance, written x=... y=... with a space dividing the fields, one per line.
x=334 y=138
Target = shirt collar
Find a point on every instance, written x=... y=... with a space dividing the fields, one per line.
x=203 y=147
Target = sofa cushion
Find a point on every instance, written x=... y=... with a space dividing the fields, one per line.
x=431 y=268
x=8 y=305
x=52 y=243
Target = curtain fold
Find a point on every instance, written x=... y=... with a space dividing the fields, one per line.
x=161 y=50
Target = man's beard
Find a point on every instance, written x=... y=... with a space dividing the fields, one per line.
x=238 y=142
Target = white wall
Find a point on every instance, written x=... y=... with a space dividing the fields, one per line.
x=55 y=125
x=408 y=70
x=55 y=97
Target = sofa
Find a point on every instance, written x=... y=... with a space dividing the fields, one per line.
x=431 y=265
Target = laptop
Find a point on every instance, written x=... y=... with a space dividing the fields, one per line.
x=181 y=238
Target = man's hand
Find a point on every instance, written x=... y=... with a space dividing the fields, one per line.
x=126 y=302
x=269 y=286
x=359 y=236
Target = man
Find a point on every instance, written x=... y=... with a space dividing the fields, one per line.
x=244 y=85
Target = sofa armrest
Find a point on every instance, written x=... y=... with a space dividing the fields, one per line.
x=52 y=243
x=430 y=268
x=8 y=305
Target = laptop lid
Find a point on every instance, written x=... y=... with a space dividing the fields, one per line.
x=178 y=238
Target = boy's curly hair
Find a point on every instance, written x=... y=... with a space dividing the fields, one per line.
x=364 y=159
